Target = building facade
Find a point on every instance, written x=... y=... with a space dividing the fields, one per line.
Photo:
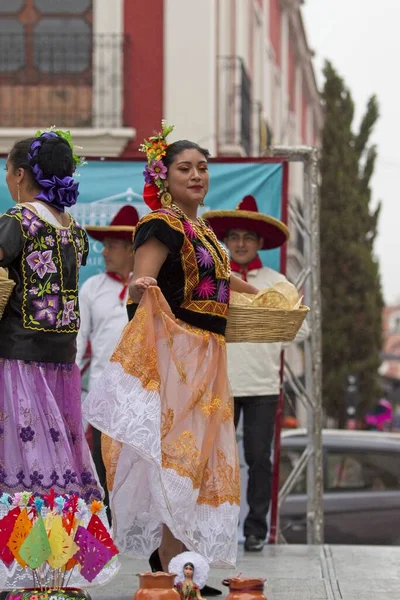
x=234 y=75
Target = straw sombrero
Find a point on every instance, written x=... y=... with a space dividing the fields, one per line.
x=121 y=227
x=246 y=217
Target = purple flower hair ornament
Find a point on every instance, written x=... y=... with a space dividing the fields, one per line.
x=60 y=193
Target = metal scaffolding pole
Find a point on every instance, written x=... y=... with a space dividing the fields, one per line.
x=313 y=346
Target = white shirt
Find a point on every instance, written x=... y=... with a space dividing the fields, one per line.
x=103 y=317
x=253 y=369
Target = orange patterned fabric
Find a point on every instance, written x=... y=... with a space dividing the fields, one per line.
x=187 y=367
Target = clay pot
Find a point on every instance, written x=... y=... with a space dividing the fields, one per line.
x=156 y=586
x=28 y=593
x=246 y=588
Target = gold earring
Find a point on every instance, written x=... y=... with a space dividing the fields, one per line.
x=18 y=194
x=201 y=202
x=166 y=199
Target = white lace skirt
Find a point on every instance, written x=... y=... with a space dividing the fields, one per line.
x=165 y=408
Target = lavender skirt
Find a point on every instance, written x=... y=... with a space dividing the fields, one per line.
x=42 y=443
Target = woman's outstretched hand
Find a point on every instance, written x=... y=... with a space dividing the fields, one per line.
x=137 y=287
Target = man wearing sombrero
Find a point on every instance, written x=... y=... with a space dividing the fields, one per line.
x=102 y=301
x=254 y=369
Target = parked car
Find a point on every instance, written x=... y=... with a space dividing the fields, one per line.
x=361 y=487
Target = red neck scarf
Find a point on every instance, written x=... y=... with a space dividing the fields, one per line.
x=124 y=284
x=254 y=264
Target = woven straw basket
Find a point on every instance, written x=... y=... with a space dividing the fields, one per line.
x=6 y=287
x=260 y=324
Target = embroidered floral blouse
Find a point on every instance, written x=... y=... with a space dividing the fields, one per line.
x=41 y=319
x=195 y=276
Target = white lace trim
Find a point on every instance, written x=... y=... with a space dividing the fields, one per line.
x=145 y=495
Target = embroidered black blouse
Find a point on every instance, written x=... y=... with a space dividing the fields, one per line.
x=195 y=276
x=41 y=319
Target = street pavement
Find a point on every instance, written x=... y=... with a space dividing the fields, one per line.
x=294 y=573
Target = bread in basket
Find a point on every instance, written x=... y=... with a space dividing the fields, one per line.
x=6 y=287
x=275 y=314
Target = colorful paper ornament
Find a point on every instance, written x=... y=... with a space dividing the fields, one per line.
x=19 y=534
x=92 y=554
x=36 y=548
x=6 y=526
x=62 y=545
x=99 y=531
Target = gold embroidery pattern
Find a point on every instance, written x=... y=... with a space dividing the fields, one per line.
x=134 y=355
x=228 y=411
x=110 y=452
x=189 y=262
x=183 y=457
x=180 y=367
x=206 y=306
x=216 y=487
x=168 y=217
x=222 y=485
x=220 y=339
x=209 y=407
x=167 y=420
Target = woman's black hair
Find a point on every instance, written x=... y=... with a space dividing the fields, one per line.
x=188 y=564
x=176 y=148
x=54 y=157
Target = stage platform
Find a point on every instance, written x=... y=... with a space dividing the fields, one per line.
x=295 y=573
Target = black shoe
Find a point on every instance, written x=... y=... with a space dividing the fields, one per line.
x=210 y=591
x=253 y=544
x=155 y=564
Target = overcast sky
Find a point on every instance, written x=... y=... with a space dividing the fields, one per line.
x=362 y=40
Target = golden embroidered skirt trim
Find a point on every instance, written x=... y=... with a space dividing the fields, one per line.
x=166 y=413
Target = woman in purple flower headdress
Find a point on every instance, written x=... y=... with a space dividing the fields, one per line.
x=42 y=443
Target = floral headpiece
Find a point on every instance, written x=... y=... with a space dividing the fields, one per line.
x=155 y=171
x=60 y=193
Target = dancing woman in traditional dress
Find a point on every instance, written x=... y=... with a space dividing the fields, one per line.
x=164 y=401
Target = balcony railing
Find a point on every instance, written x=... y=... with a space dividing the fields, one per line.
x=71 y=80
x=235 y=105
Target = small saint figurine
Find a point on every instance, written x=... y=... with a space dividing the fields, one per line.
x=191 y=571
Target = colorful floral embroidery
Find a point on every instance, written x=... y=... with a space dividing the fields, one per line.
x=68 y=313
x=223 y=292
x=41 y=262
x=30 y=222
x=206 y=288
x=204 y=258
x=189 y=230
x=50 y=295
x=64 y=236
x=26 y=434
x=47 y=309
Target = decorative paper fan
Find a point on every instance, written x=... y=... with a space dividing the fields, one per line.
x=71 y=564
x=19 y=534
x=62 y=545
x=6 y=526
x=36 y=547
x=48 y=521
x=92 y=554
x=97 y=528
x=69 y=522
